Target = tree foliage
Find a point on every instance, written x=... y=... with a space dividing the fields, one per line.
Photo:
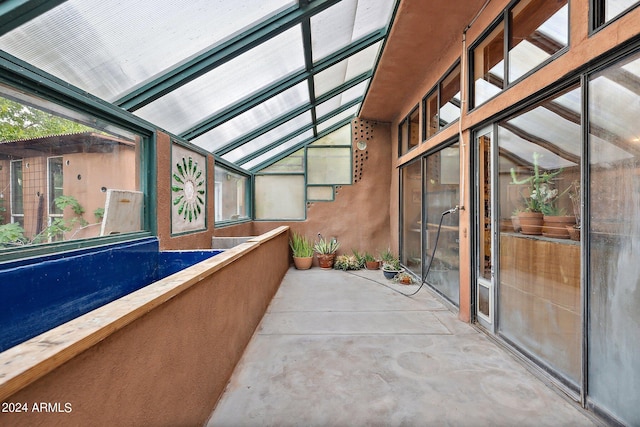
x=19 y=121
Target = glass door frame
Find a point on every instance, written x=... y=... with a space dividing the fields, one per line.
x=487 y=322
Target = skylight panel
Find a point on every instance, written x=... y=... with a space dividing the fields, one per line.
x=278 y=150
x=346 y=70
x=108 y=48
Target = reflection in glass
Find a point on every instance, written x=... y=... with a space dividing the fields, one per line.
x=539 y=29
x=410 y=254
x=614 y=206
x=488 y=66
x=442 y=187
x=450 y=97
x=431 y=124
x=613 y=8
x=539 y=289
x=232 y=195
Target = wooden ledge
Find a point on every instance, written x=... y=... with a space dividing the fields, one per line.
x=27 y=362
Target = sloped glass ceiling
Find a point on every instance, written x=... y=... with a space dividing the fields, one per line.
x=249 y=80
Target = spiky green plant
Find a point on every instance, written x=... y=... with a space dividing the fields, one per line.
x=324 y=246
x=301 y=246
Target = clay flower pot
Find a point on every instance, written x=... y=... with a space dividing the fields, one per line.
x=556 y=226
x=372 y=265
x=303 y=263
x=326 y=260
x=531 y=222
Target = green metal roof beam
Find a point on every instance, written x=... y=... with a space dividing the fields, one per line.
x=217 y=56
x=14 y=13
x=302 y=144
x=280 y=86
x=294 y=113
x=282 y=140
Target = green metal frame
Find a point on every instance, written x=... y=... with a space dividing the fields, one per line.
x=20 y=75
x=217 y=56
x=14 y=13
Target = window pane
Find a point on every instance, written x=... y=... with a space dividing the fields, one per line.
x=341 y=136
x=62 y=168
x=328 y=122
x=346 y=70
x=539 y=289
x=414 y=128
x=539 y=29
x=231 y=195
x=320 y=193
x=613 y=8
x=292 y=163
x=441 y=194
x=275 y=152
x=411 y=253
x=614 y=306
x=331 y=165
x=280 y=197
x=488 y=66
x=450 y=97
x=432 y=124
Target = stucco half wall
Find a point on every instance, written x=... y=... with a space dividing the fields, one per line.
x=160 y=356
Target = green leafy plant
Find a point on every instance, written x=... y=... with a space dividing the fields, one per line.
x=404 y=278
x=360 y=258
x=387 y=256
x=368 y=257
x=301 y=246
x=542 y=194
x=391 y=265
x=324 y=246
x=11 y=234
x=99 y=214
x=63 y=201
x=347 y=262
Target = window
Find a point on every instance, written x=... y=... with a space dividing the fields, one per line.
x=538 y=30
x=604 y=11
x=409 y=132
x=42 y=142
x=488 y=66
x=441 y=106
x=231 y=195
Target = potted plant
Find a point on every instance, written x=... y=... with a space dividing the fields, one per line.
x=326 y=251
x=391 y=268
x=404 y=278
x=541 y=192
x=347 y=262
x=302 y=249
x=371 y=262
x=574 y=195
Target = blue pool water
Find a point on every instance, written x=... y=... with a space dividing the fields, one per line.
x=38 y=294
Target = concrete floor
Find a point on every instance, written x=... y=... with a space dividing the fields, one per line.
x=339 y=349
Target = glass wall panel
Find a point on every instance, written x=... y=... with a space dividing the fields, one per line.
x=614 y=206
x=279 y=197
x=411 y=253
x=442 y=192
x=329 y=165
x=607 y=10
x=341 y=136
x=539 y=263
x=539 y=29
x=488 y=66
x=320 y=193
x=292 y=163
x=60 y=166
x=409 y=132
x=231 y=195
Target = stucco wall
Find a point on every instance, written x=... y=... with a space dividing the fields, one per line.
x=169 y=366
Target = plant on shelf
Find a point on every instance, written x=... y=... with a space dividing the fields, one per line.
x=347 y=262
x=302 y=249
x=326 y=251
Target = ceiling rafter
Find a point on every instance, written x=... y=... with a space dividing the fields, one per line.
x=284 y=139
x=282 y=85
x=294 y=113
x=296 y=147
x=203 y=63
x=14 y=13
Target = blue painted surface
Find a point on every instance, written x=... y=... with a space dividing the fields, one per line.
x=41 y=293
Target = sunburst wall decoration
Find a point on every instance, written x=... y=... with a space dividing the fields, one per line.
x=188 y=190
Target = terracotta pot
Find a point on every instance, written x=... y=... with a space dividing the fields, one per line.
x=372 y=265
x=556 y=226
x=531 y=222
x=515 y=222
x=326 y=260
x=574 y=233
x=303 y=263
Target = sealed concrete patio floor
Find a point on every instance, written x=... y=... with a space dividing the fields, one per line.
x=338 y=349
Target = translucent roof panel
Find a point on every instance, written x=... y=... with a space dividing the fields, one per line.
x=252 y=119
x=346 y=69
x=278 y=150
x=343 y=98
x=326 y=124
x=228 y=83
x=270 y=137
x=346 y=22
x=106 y=48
